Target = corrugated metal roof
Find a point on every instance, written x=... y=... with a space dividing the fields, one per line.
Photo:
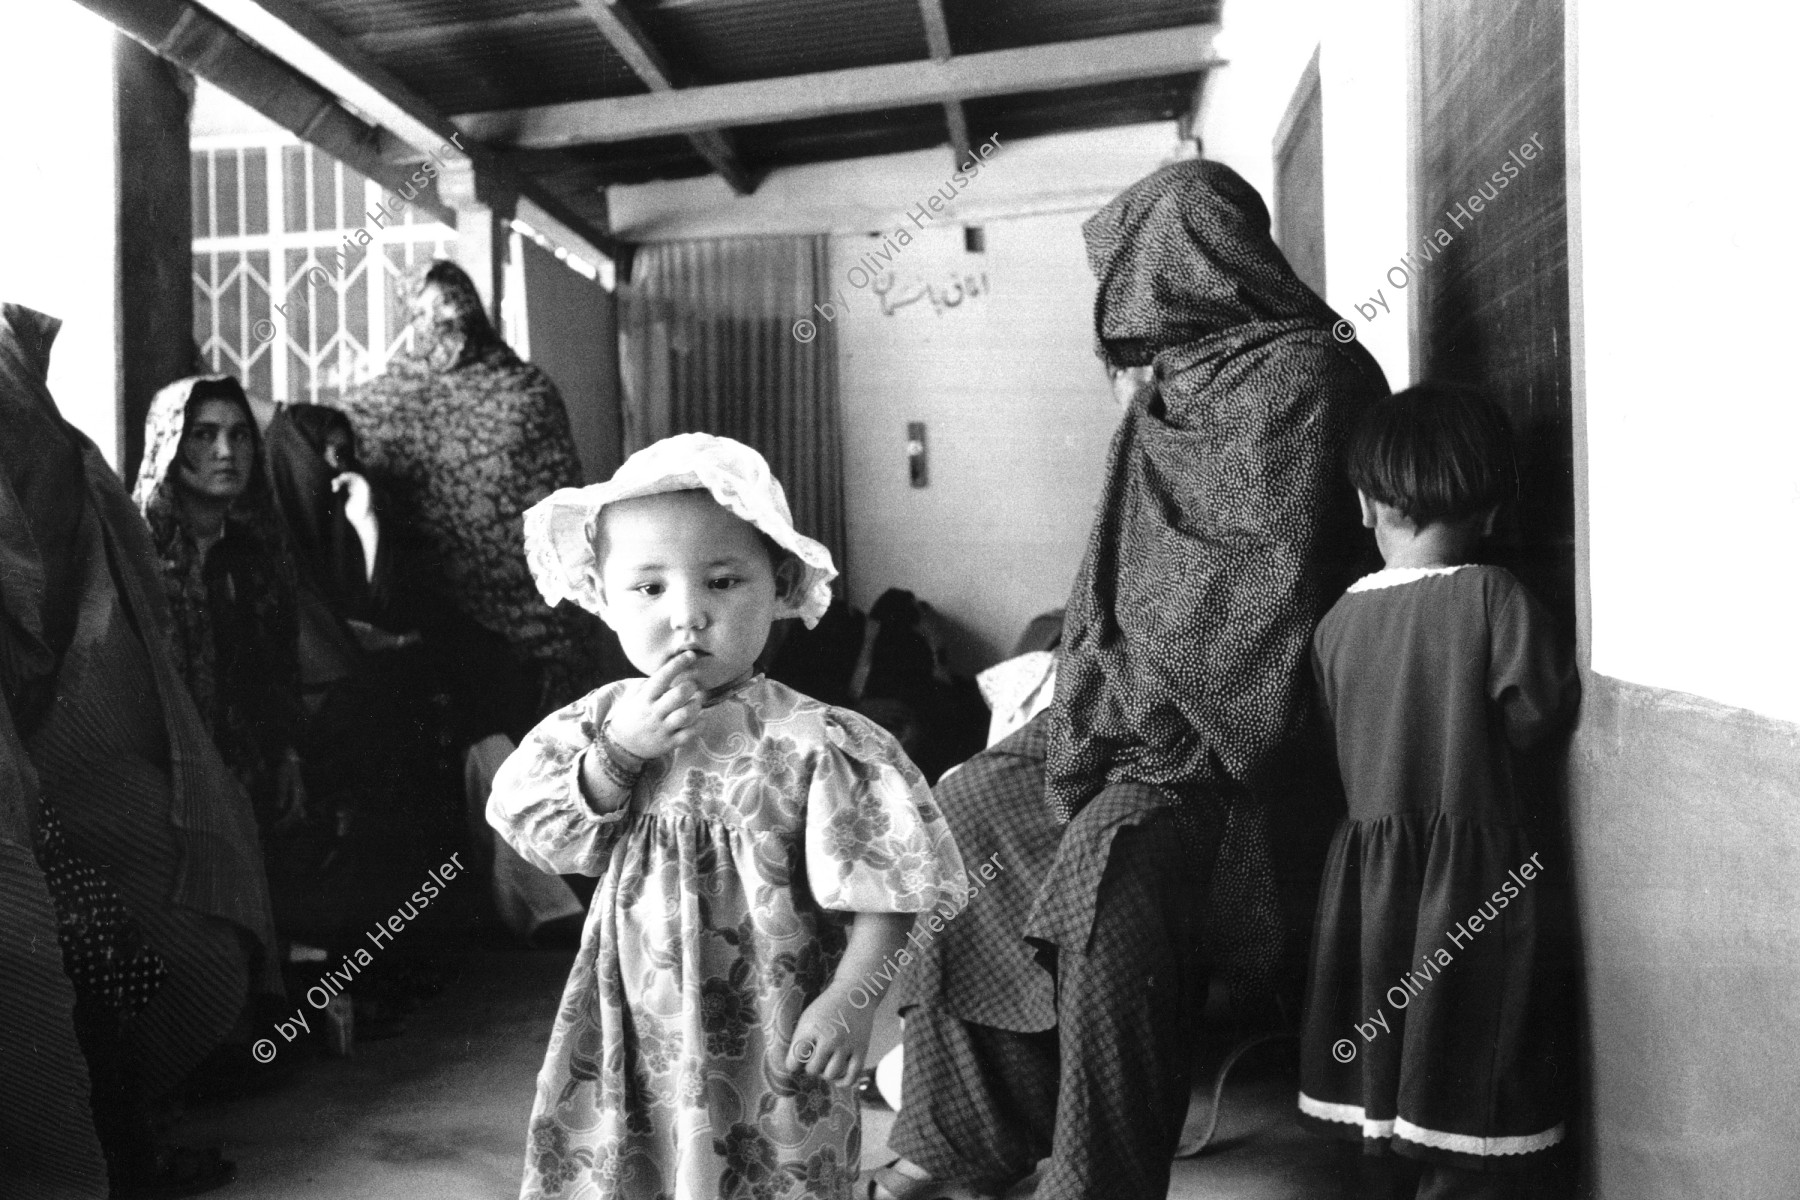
x=978 y=25
x=517 y=69
x=482 y=55
x=725 y=41
x=351 y=18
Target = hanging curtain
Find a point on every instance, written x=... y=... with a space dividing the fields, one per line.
x=710 y=341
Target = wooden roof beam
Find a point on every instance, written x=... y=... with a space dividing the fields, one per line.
x=292 y=33
x=937 y=42
x=201 y=44
x=1059 y=65
x=620 y=28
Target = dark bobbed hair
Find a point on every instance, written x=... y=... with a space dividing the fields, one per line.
x=1436 y=452
x=216 y=387
x=317 y=422
x=228 y=389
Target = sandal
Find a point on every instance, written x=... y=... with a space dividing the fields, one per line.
x=176 y=1171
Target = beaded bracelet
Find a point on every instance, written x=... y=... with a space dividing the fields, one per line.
x=617 y=763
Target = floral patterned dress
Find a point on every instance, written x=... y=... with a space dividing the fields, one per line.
x=721 y=913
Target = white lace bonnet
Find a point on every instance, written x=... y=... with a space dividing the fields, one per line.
x=560 y=529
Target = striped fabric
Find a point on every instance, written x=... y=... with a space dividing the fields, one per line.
x=980 y=968
x=141 y=793
x=1104 y=1091
x=47 y=1142
x=104 y=754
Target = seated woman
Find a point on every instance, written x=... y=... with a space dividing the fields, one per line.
x=228 y=580
x=330 y=516
x=462 y=436
x=1224 y=528
x=381 y=798
x=392 y=677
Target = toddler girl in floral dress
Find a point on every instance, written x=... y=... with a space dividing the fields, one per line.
x=760 y=854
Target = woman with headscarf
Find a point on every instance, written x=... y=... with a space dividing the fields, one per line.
x=381 y=799
x=123 y=837
x=228 y=580
x=462 y=437
x=329 y=514
x=1225 y=528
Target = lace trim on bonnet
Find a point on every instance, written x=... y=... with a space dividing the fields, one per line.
x=560 y=529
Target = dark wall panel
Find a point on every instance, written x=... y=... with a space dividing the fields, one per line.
x=1300 y=184
x=1493 y=305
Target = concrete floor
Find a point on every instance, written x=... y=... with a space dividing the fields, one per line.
x=440 y=1112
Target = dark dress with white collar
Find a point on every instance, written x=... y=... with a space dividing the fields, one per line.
x=1436 y=1002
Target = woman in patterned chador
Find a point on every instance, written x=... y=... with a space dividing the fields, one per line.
x=1225 y=529
x=461 y=437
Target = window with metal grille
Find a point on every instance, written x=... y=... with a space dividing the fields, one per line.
x=288 y=296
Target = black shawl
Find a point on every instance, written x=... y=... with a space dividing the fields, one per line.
x=1226 y=525
x=327 y=552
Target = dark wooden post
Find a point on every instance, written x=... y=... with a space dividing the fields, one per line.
x=151 y=103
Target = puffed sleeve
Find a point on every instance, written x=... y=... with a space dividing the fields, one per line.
x=1529 y=675
x=536 y=802
x=875 y=840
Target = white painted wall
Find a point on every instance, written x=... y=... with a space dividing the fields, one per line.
x=1018 y=415
x=218 y=113
x=1363 y=82
x=1266 y=48
x=1017 y=408
x=1686 y=299
x=1363 y=88
x=58 y=194
x=1068 y=172
x=1693 y=439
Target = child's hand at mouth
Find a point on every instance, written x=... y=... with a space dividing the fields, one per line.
x=657 y=714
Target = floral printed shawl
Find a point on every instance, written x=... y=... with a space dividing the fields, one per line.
x=235 y=611
x=462 y=437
